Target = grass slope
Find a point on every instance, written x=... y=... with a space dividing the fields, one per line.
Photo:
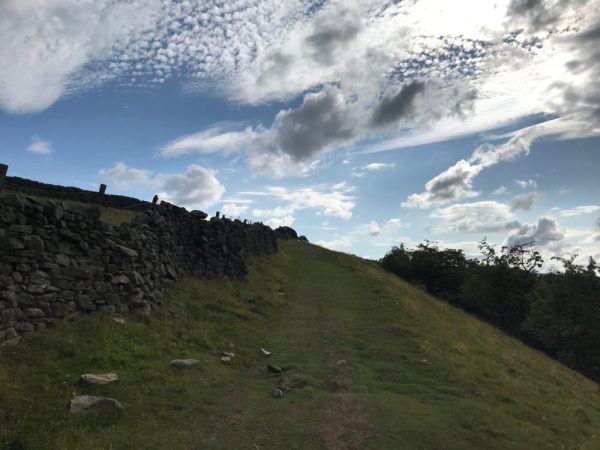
x=372 y=363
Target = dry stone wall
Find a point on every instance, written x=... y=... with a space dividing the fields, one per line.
x=31 y=187
x=56 y=262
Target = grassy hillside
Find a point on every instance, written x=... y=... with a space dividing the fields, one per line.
x=370 y=363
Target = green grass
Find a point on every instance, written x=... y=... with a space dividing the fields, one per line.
x=108 y=215
x=418 y=374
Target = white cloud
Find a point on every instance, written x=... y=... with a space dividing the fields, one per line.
x=332 y=201
x=211 y=140
x=579 y=210
x=46 y=45
x=501 y=190
x=456 y=182
x=452 y=184
x=233 y=209
x=370 y=233
x=525 y=184
x=277 y=212
x=126 y=177
x=197 y=187
x=565 y=191
x=295 y=137
x=372 y=167
x=257 y=51
x=478 y=217
x=276 y=222
x=40 y=146
x=377 y=166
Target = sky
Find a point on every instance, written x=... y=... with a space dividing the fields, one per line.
x=361 y=123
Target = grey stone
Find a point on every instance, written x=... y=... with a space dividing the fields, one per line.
x=92 y=405
x=10 y=333
x=120 y=279
x=11 y=342
x=36 y=288
x=77 y=272
x=25 y=229
x=99 y=379
x=277 y=393
x=137 y=278
x=14 y=244
x=274 y=369
x=85 y=302
x=119 y=319
x=127 y=251
x=143 y=309
x=34 y=313
x=33 y=243
x=24 y=326
x=62 y=260
x=39 y=277
x=185 y=363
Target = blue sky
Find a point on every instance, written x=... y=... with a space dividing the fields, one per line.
x=362 y=124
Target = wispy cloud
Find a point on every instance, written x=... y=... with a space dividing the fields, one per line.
x=579 y=210
x=456 y=182
x=40 y=146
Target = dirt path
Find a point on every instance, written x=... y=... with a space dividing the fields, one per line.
x=319 y=410
x=344 y=421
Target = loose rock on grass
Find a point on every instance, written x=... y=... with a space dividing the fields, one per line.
x=185 y=363
x=277 y=393
x=101 y=378
x=90 y=404
x=274 y=369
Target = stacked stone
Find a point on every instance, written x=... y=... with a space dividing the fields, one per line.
x=56 y=262
x=31 y=187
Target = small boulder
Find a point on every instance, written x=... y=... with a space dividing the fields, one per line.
x=274 y=369
x=90 y=404
x=127 y=251
x=185 y=363
x=119 y=319
x=120 y=279
x=226 y=359
x=101 y=378
x=266 y=353
x=277 y=393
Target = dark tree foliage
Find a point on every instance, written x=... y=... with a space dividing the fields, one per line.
x=440 y=271
x=565 y=316
x=558 y=312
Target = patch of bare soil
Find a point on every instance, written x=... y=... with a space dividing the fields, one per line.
x=345 y=423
